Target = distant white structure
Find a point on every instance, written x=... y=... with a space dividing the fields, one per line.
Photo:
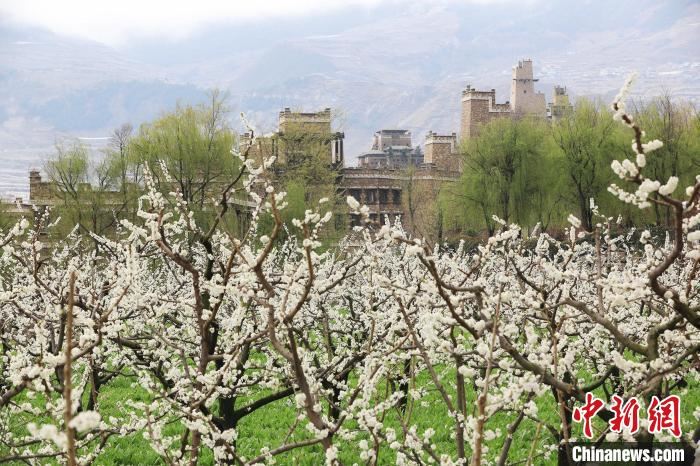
x=523 y=97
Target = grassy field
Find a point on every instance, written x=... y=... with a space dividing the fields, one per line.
x=268 y=427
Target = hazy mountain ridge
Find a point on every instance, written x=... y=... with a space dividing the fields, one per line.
x=379 y=68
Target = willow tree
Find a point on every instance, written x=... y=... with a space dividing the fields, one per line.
x=675 y=122
x=189 y=149
x=82 y=189
x=588 y=140
x=505 y=173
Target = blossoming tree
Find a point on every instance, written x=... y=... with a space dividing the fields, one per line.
x=211 y=327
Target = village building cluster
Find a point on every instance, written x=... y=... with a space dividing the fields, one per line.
x=394 y=165
x=394 y=178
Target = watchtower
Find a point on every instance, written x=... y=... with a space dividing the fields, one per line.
x=523 y=97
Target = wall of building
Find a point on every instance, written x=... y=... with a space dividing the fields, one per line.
x=408 y=195
x=478 y=108
x=441 y=152
x=391 y=137
x=311 y=122
x=379 y=189
x=300 y=135
x=40 y=191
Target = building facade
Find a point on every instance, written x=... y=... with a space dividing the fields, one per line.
x=524 y=99
x=441 y=152
x=397 y=181
x=480 y=107
x=300 y=135
x=391 y=149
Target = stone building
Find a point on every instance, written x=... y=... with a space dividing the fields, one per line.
x=40 y=191
x=309 y=122
x=299 y=135
x=297 y=126
x=409 y=195
x=376 y=182
x=396 y=180
x=391 y=149
x=388 y=138
x=560 y=105
x=379 y=189
x=441 y=152
x=480 y=107
x=524 y=100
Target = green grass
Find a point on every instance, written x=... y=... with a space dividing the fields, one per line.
x=269 y=426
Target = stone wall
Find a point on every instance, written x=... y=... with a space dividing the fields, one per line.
x=379 y=189
x=312 y=122
x=478 y=108
x=441 y=151
x=41 y=192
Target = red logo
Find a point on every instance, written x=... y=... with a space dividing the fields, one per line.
x=586 y=412
x=662 y=414
x=626 y=415
x=665 y=414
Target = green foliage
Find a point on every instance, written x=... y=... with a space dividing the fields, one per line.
x=305 y=159
x=69 y=168
x=506 y=172
x=194 y=144
x=120 y=164
x=7 y=219
x=89 y=206
x=529 y=171
x=304 y=171
x=296 y=198
x=588 y=140
x=677 y=125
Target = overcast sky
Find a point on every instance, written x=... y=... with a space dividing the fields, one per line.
x=117 y=22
